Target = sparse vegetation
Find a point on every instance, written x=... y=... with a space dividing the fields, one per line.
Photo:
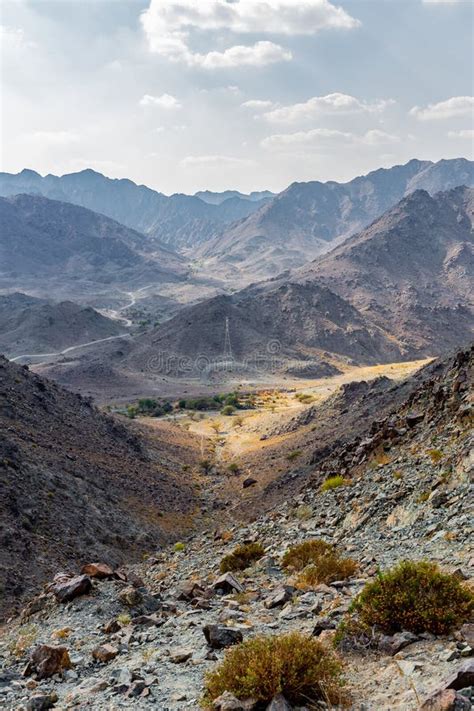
x=317 y=562
x=414 y=596
x=333 y=482
x=233 y=468
x=297 y=666
x=435 y=455
x=242 y=557
x=179 y=547
x=228 y=410
x=293 y=455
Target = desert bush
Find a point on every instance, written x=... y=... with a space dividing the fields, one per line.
x=302 y=554
x=317 y=562
x=179 y=547
x=228 y=410
x=414 y=596
x=297 y=666
x=233 y=467
x=333 y=482
x=293 y=455
x=242 y=557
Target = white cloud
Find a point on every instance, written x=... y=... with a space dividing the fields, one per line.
x=257 y=104
x=320 y=105
x=14 y=38
x=214 y=160
x=53 y=138
x=441 y=2
x=464 y=133
x=321 y=137
x=258 y=55
x=455 y=107
x=165 y=101
x=169 y=25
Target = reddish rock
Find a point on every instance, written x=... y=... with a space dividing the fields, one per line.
x=111 y=627
x=191 y=590
x=46 y=661
x=104 y=652
x=66 y=588
x=97 y=570
x=445 y=700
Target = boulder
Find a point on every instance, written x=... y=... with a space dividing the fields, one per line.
x=190 y=591
x=413 y=418
x=462 y=678
x=280 y=597
x=446 y=700
x=130 y=596
x=101 y=571
x=46 y=661
x=219 y=637
x=65 y=588
x=111 y=627
x=40 y=702
x=228 y=702
x=105 y=653
x=179 y=656
x=227 y=584
x=394 y=643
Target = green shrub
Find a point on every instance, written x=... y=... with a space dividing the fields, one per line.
x=414 y=596
x=297 y=666
x=228 y=410
x=293 y=455
x=303 y=554
x=233 y=468
x=178 y=547
x=333 y=483
x=242 y=557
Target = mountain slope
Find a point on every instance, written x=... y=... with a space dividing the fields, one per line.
x=44 y=238
x=412 y=271
x=307 y=219
x=178 y=220
x=402 y=288
x=29 y=325
x=77 y=483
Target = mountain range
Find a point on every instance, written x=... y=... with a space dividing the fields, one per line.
x=308 y=219
x=400 y=289
x=178 y=221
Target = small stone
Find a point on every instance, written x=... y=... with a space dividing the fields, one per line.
x=279 y=703
x=179 y=656
x=395 y=643
x=249 y=481
x=219 y=637
x=111 y=627
x=228 y=702
x=449 y=655
x=104 y=653
x=101 y=571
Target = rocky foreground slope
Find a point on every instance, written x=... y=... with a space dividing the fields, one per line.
x=74 y=480
x=140 y=639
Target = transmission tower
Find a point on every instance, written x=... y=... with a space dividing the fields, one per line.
x=227 y=346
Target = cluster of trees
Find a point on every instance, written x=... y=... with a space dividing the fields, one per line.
x=149 y=407
x=227 y=403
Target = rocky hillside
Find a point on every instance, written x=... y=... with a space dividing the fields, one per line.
x=307 y=219
x=45 y=239
x=29 y=325
x=178 y=220
x=146 y=638
x=76 y=481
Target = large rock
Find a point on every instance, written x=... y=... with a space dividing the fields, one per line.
x=105 y=653
x=41 y=702
x=65 y=588
x=280 y=597
x=46 y=661
x=190 y=591
x=97 y=570
x=218 y=636
x=228 y=702
x=446 y=700
x=227 y=584
x=130 y=596
x=393 y=644
x=463 y=677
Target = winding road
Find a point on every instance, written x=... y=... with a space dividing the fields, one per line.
x=71 y=348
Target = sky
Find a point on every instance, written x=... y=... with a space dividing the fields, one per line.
x=189 y=95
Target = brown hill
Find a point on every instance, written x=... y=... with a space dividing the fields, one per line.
x=78 y=485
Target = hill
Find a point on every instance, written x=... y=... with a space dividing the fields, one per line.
x=308 y=219
x=77 y=483
x=29 y=325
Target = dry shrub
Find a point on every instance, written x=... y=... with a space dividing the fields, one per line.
x=318 y=562
x=242 y=557
x=297 y=666
x=415 y=596
x=334 y=482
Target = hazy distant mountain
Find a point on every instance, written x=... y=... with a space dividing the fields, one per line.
x=218 y=198
x=178 y=220
x=308 y=219
x=42 y=239
x=29 y=325
x=401 y=288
